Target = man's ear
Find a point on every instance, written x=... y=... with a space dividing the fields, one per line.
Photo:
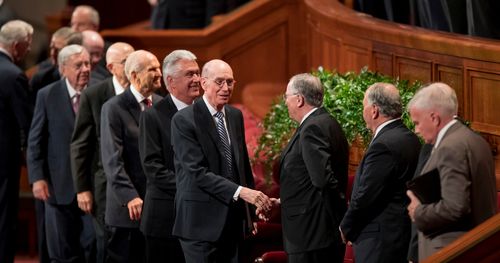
x=375 y=111
x=300 y=101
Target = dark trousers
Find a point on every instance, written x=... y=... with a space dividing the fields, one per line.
x=331 y=254
x=43 y=253
x=9 y=200
x=101 y=236
x=125 y=245
x=223 y=250
x=158 y=249
x=63 y=224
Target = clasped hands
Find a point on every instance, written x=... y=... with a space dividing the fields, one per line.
x=258 y=199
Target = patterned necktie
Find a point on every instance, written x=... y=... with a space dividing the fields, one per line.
x=75 y=102
x=221 y=130
x=147 y=102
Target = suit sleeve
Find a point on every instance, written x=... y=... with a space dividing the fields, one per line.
x=378 y=166
x=193 y=161
x=455 y=192
x=37 y=140
x=83 y=146
x=151 y=152
x=316 y=154
x=111 y=150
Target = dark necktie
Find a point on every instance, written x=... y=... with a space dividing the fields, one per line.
x=147 y=103
x=221 y=130
x=75 y=102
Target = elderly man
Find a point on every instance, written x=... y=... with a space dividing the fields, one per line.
x=126 y=182
x=213 y=173
x=466 y=170
x=94 y=44
x=86 y=165
x=376 y=221
x=47 y=70
x=313 y=177
x=182 y=78
x=15 y=118
x=85 y=17
x=48 y=154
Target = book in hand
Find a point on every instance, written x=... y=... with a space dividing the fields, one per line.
x=427 y=187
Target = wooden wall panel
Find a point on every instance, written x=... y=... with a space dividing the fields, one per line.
x=483 y=96
x=354 y=58
x=413 y=69
x=382 y=63
x=452 y=76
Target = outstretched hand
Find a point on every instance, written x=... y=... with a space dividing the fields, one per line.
x=257 y=198
x=264 y=214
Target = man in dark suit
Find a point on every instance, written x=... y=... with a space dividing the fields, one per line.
x=182 y=78
x=213 y=173
x=86 y=165
x=313 y=177
x=48 y=155
x=376 y=221
x=126 y=182
x=466 y=169
x=48 y=71
x=15 y=118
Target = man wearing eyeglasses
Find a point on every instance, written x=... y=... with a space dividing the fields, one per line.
x=213 y=173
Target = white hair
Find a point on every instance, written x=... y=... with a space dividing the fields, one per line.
x=67 y=52
x=15 y=31
x=438 y=96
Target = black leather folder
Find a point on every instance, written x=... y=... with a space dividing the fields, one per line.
x=427 y=187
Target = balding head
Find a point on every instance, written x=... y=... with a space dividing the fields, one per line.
x=85 y=17
x=115 y=61
x=380 y=104
x=143 y=71
x=218 y=83
x=94 y=44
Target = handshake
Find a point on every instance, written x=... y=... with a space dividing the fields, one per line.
x=263 y=203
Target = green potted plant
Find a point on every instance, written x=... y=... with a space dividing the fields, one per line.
x=343 y=99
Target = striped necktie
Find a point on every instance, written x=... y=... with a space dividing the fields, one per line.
x=221 y=130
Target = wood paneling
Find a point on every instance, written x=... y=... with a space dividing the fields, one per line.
x=413 y=69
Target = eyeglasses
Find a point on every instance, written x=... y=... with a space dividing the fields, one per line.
x=285 y=96
x=220 y=82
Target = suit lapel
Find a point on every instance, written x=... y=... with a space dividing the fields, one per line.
x=429 y=165
x=61 y=96
x=109 y=91
x=203 y=118
x=132 y=105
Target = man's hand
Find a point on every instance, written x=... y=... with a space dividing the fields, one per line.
x=85 y=201
x=264 y=215
x=135 y=209
x=41 y=190
x=257 y=198
x=414 y=203
x=344 y=239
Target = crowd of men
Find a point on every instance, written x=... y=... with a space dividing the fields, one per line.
x=122 y=174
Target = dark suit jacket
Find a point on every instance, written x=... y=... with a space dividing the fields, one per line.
x=47 y=74
x=204 y=196
x=15 y=118
x=313 y=180
x=468 y=193
x=157 y=158
x=120 y=157
x=49 y=140
x=378 y=204
x=86 y=165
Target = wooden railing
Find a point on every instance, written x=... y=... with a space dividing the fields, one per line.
x=481 y=244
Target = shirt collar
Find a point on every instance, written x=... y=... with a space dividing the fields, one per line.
x=178 y=103
x=137 y=95
x=307 y=115
x=212 y=110
x=442 y=132
x=381 y=126
x=72 y=91
x=119 y=89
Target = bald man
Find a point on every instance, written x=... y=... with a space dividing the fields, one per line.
x=85 y=17
x=94 y=44
x=376 y=222
x=126 y=182
x=213 y=175
x=86 y=165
